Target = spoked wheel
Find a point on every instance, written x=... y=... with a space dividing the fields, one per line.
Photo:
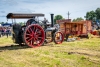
x=58 y=38
x=34 y=35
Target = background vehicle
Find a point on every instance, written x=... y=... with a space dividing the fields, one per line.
x=77 y=29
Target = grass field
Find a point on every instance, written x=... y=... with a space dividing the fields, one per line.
x=82 y=53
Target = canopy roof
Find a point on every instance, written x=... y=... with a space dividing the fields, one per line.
x=23 y=15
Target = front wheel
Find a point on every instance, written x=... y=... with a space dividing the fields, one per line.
x=58 y=37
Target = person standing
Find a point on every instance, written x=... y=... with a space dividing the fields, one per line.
x=7 y=32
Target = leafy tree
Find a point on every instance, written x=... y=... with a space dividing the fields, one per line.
x=97 y=11
x=91 y=15
x=78 y=19
x=57 y=17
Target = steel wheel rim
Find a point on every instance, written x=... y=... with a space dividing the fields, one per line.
x=34 y=35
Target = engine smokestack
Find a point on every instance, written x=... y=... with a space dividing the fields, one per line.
x=52 y=20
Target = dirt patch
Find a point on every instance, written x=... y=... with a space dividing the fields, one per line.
x=85 y=52
x=91 y=55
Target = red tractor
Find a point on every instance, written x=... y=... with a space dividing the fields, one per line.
x=34 y=33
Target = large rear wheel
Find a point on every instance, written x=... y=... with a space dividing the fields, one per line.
x=34 y=35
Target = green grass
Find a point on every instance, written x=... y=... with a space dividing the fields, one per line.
x=4 y=40
x=83 y=53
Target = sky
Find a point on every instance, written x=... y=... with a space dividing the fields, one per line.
x=76 y=8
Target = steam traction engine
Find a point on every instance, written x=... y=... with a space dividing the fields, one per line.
x=34 y=33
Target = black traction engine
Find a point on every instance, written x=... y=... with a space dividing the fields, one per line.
x=34 y=33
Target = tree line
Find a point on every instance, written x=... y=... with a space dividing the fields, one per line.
x=91 y=15
x=21 y=23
